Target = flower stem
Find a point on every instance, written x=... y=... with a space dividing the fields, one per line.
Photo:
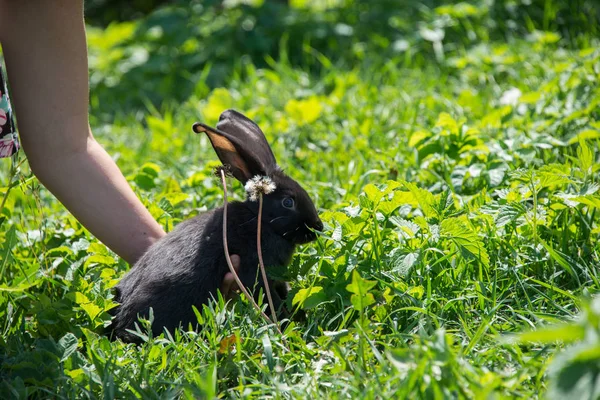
x=226 y=248
x=14 y=165
x=260 y=260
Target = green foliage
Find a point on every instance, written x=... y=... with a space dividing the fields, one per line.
x=361 y=298
x=574 y=374
x=190 y=47
x=453 y=155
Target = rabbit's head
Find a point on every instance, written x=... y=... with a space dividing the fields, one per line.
x=242 y=146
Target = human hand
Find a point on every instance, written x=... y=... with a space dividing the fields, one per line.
x=229 y=287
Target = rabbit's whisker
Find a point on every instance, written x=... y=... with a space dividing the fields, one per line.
x=286 y=233
x=291 y=231
x=247 y=222
x=275 y=219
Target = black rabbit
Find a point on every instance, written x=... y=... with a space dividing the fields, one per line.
x=187 y=266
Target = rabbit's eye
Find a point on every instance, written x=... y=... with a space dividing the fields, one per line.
x=288 y=202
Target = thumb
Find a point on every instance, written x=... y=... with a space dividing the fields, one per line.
x=229 y=286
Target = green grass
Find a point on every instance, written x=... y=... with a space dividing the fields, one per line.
x=461 y=227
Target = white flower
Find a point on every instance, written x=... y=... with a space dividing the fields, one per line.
x=259 y=184
x=510 y=97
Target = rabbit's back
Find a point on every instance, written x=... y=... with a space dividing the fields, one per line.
x=180 y=270
x=187 y=266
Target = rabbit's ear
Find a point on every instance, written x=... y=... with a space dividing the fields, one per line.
x=240 y=143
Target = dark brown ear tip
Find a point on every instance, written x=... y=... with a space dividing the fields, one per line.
x=228 y=113
x=198 y=127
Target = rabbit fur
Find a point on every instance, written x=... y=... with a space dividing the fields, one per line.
x=186 y=267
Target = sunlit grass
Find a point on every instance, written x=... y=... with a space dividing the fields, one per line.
x=458 y=210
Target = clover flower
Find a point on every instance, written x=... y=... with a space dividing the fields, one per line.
x=259 y=184
x=510 y=97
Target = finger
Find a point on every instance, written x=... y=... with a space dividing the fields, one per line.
x=236 y=261
x=226 y=285
x=229 y=286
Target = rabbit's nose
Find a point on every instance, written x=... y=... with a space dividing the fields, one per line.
x=316 y=225
x=319 y=225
